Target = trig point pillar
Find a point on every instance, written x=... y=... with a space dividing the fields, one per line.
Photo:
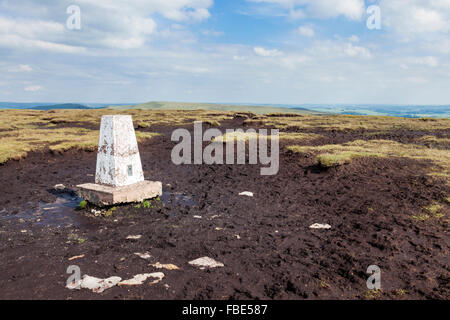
x=119 y=177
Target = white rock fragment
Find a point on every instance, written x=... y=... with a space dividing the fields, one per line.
x=141 y=278
x=97 y=285
x=136 y=237
x=144 y=256
x=320 y=226
x=165 y=266
x=96 y=213
x=197 y=217
x=59 y=187
x=206 y=262
x=246 y=193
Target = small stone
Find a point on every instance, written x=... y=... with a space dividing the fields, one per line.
x=144 y=256
x=98 y=285
x=246 y=193
x=59 y=187
x=136 y=237
x=197 y=217
x=237 y=236
x=141 y=278
x=320 y=226
x=206 y=262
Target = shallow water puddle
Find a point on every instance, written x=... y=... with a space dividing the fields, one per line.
x=60 y=213
x=177 y=198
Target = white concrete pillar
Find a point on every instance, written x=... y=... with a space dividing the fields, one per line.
x=118 y=159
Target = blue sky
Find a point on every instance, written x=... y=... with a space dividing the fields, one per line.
x=240 y=51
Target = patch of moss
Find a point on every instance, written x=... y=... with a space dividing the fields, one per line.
x=110 y=211
x=82 y=205
x=146 y=204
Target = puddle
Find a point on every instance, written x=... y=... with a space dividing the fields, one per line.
x=177 y=198
x=60 y=213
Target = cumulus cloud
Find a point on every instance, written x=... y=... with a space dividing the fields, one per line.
x=306 y=31
x=260 y=51
x=357 y=51
x=416 y=18
x=351 y=9
x=107 y=23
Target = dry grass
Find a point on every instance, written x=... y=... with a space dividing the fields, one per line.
x=350 y=123
x=246 y=136
x=435 y=142
x=24 y=131
x=338 y=154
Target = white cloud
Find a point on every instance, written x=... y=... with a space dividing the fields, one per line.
x=260 y=51
x=191 y=69
x=212 y=33
x=107 y=23
x=357 y=51
x=306 y=31
x=353 y=38
x=21 y=68
x=33 y=88
x=428 y=61
x=416 y=18
x=351 y=9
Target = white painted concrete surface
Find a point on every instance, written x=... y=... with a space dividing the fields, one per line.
x=118 y=160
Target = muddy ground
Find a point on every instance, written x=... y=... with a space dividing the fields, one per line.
x=265 y=242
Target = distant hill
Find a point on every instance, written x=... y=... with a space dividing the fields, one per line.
x=163 y=105
x=61 y=106
x=51 y=105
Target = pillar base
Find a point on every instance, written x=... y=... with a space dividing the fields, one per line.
x=102 y=195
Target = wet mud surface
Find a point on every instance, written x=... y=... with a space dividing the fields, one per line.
x=264 y=242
